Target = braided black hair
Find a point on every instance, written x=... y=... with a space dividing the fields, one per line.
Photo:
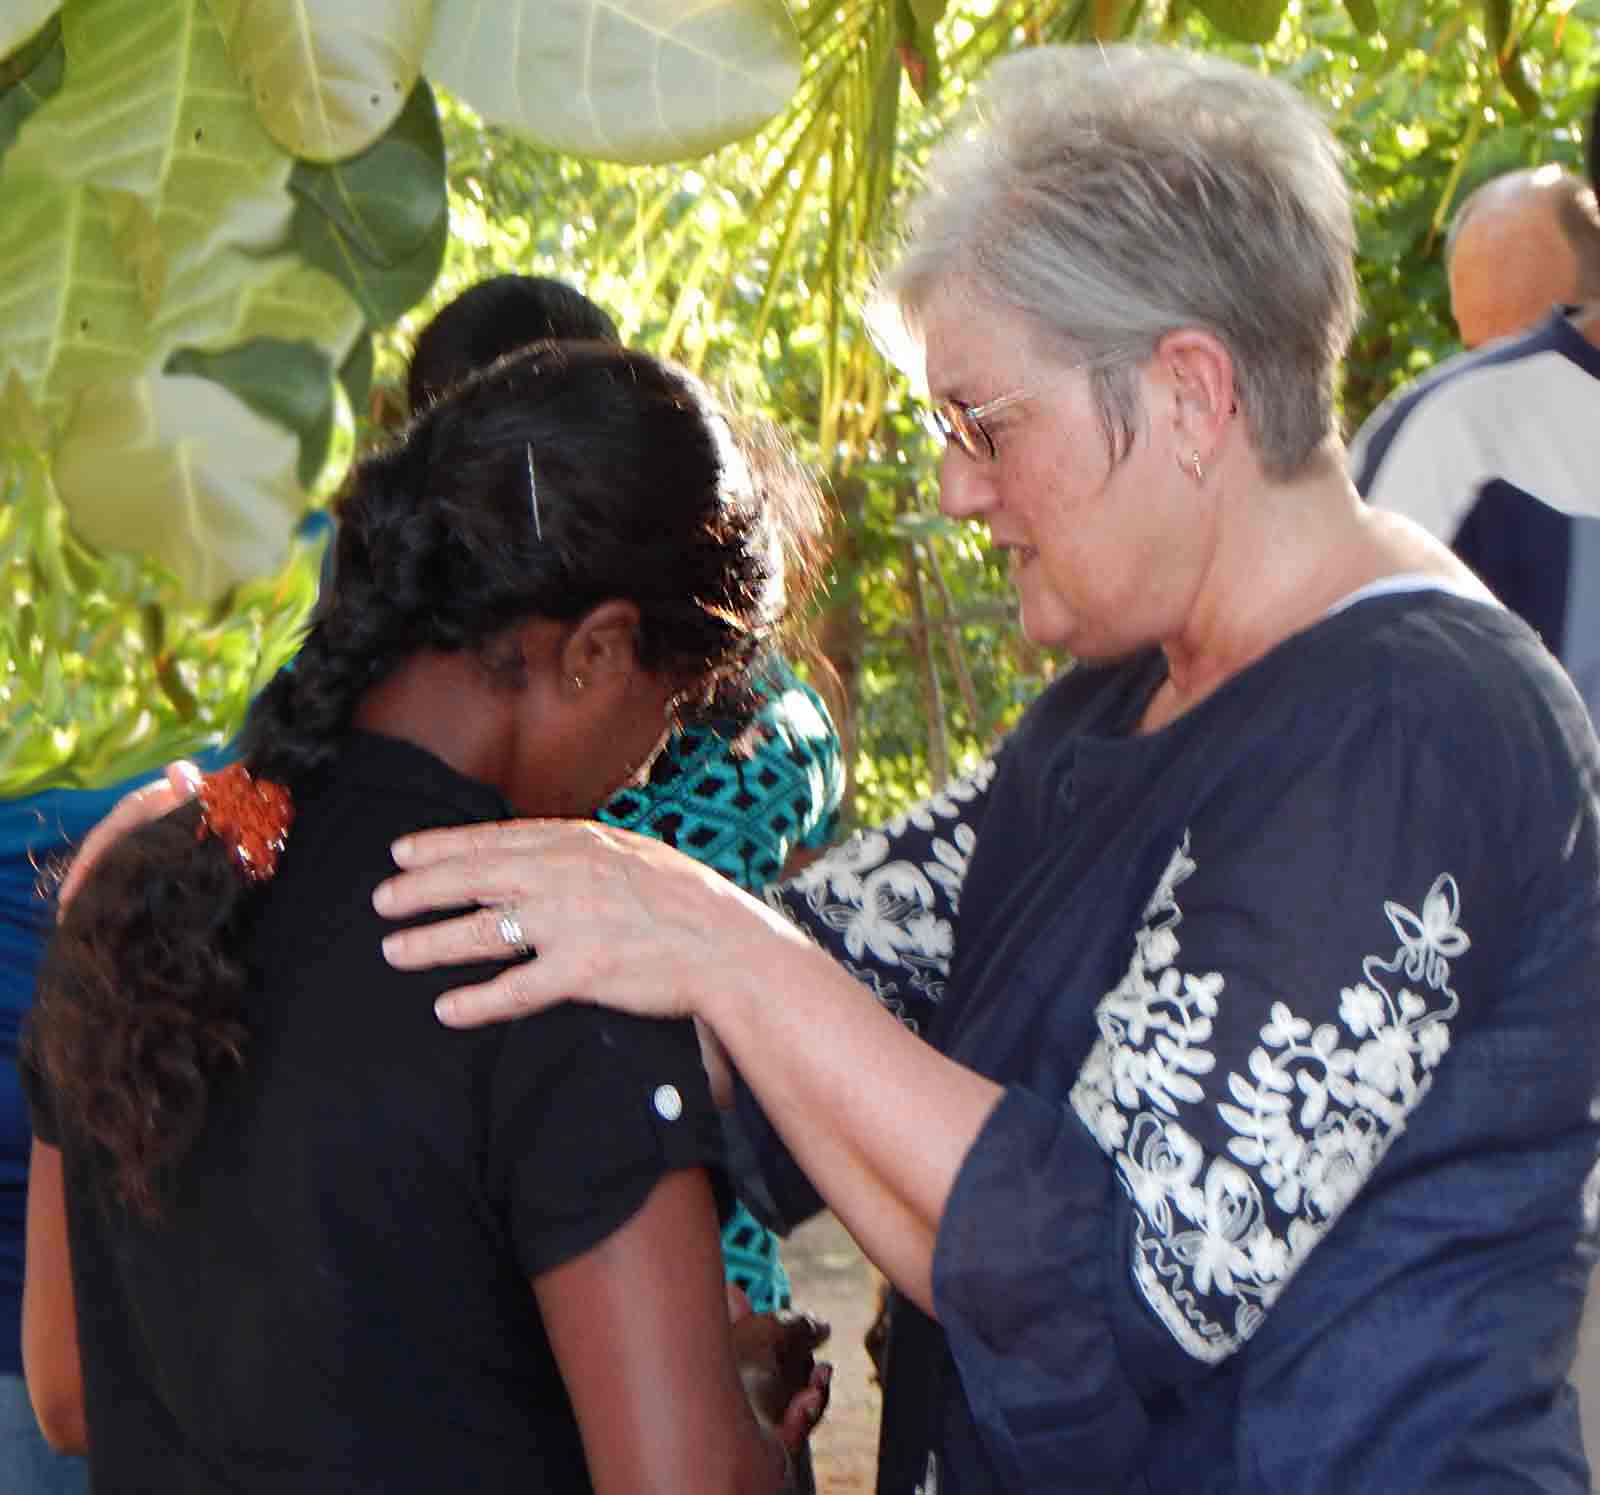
x=645 y=492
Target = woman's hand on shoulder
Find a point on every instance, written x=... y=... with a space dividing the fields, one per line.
x=612 y=916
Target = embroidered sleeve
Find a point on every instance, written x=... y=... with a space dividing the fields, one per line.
x=885 y=903
x=1293 y=982
x=1242 y=1114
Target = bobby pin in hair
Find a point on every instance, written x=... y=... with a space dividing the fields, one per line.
x=533 y=497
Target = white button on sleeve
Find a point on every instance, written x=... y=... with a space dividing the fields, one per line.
x=668 y=1103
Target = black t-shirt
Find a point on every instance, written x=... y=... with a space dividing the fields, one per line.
x=338 y=1298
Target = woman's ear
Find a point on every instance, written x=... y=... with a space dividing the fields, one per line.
x=1198 y=372
x=602 y=646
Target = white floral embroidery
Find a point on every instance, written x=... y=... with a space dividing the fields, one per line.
x=898 y=914
x=1318 y=1110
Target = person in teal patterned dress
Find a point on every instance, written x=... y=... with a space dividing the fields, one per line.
x=751 y=809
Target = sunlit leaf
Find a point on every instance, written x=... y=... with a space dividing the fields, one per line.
x=328 y=76
x=382 y=292
x=299 y=303
x=21 y=19
x=378 y=224
x=149 y=170
x=27 y=78
x=1364 y=15
x=385 y=202
x=71 y=312
x=1244 y=20
x=151 y=105
x=288 y=382
x=627 y=80
x=180 y=469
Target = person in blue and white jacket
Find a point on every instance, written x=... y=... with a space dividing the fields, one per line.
x=1494 y=451
x=1227 y=1116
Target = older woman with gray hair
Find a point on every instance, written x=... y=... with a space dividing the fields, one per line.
x=1223 y=1102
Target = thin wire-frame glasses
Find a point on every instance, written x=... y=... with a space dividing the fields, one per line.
x=962 y=425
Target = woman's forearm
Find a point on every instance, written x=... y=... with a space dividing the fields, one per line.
x=49 y=1312
x=879 y=1121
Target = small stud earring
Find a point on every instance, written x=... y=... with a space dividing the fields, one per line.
x=578 y=682
x=1194 y=462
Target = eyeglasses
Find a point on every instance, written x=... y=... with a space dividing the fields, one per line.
x=962 y=425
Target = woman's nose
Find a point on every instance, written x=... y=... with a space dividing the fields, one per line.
x=965 y=490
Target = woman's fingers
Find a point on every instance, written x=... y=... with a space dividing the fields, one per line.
x=459 y=881
x=514 y=993
x=430 y=847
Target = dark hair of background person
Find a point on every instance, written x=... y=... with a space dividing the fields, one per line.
x=646 y=492
x=496 y=317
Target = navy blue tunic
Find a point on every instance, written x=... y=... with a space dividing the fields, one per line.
x=1293 y=1187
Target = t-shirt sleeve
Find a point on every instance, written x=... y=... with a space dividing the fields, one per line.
x=588 y=1111
x=1323 y=924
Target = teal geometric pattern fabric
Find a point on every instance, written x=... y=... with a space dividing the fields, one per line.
x=743 y=815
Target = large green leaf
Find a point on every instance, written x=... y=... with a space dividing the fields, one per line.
x=625 y=80
x=328 y=76
x=288 y=382
x=1244 y=20
x=148 y=168
x=71 y=308
x=386 y=201
x=177 y=468
x=152 y=105
x=21 y=19
x=27 y=79
x=383 y=292
x=301 y=304
x=378 y=224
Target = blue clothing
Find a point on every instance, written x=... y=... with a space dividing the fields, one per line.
x=32 y=832
x=28 y=1465
x=742 y=813
x=1293 y=1188
x=1494 y=453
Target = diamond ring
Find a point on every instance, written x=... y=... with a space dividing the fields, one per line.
x=510 y=929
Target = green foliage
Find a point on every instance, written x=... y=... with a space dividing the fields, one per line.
x=328 y=77
x=753 y=266
x=626 y=80
x=288 y=286
x=378 y=222
x=109 y=672
x=206 y=209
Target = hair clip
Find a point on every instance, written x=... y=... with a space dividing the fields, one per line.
x=250 y=816
x=533 y=497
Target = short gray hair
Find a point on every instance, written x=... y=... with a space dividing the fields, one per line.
x=1113 y=195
